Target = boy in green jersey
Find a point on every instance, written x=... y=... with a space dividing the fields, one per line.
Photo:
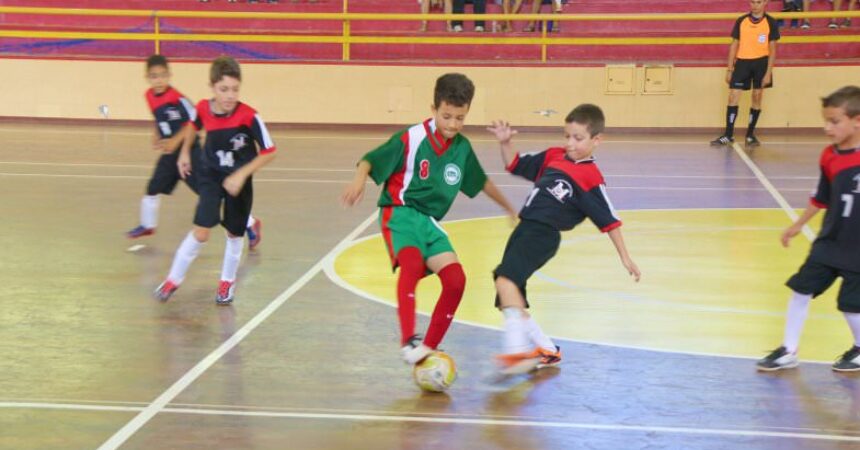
x=423 y=168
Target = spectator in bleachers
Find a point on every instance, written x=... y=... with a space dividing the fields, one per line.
x=847 y=22
x=478 y=6
x=832 y=25
x=790 y=6
x=426 y=5
x=536 y=5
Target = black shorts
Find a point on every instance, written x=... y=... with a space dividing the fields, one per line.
x=530 y=246
x=212 y=195
x=750 y=72
x=166 y=174
x=814 y=278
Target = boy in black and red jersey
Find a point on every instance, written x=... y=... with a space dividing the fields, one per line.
x=172 y=111
x=234 y=131
x=568 y=189
x=835 y=252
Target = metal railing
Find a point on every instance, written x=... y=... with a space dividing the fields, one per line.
x=346 y=38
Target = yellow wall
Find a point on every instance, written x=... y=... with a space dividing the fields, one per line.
x=287 y=93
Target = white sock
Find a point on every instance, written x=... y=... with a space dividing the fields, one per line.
x=149 y=211
x=798 y=307
x=232 y=256
x=515 y=339
x=251 y=221
x=185 y=254
x=537 y=335
x=853 y=320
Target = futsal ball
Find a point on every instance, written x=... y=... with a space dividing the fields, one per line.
x=436 y=373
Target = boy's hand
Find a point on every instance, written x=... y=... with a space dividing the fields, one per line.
x=502 y=130
x=789 y=233
x=233 y=183
x=353 y=193
x=183 y=163
x=165 y=145
x=632 y=269
x=766 y=80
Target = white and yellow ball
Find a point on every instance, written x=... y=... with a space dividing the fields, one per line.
x=435 y=373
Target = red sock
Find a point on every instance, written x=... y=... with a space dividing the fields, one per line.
x=411 y=271
x=453 y=285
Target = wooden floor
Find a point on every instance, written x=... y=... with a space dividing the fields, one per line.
x=306 y=360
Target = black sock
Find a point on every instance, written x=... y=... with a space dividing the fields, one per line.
x=754 y=113
x=731 y=115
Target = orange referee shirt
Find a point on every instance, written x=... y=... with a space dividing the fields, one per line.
x=754 y=35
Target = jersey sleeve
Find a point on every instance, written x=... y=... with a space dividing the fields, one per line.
x=597 y=206
x=197 y=122
x=528 y=165
x=187 y=110
x=261 y=134
x=474 y=177
x=821 y=196
x=774 y=29
x=387 y=158
x=736 y=30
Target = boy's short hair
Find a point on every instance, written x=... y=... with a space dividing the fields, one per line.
x=224 y=66
x=589 y=115
x=847 y=98
x=155 y=61
x=454 y=89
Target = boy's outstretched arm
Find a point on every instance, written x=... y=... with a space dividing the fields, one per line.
x=795 y=228
x=618 y=241
x=355 y=190
x=184 y=160
x=494 y=193
x=504 y=133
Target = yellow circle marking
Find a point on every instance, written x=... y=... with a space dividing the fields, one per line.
x=713 y=283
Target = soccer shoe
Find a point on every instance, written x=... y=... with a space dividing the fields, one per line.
x=255 y=234
x=777 y=360
x=832 y=25
x=805 y=25
x=226 y=289
x=849 y=361
x=846 y=23
x=415 y=351
x=518 y=363
x=752 y=141
x=165 y=290
x=722 y=140
x=549 y=358
x=139 y=231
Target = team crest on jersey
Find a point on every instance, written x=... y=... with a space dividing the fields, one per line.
x=173 y=114
x=561 y=190
x=239 y=141
x=762 y=39
x=452 y=174
x=424 y=169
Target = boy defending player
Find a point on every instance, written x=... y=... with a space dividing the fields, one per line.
x=836 y=251
x=234 y=131
x=423 y=168
x=568 y=189
x=171 y=111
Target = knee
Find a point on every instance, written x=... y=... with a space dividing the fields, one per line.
x=453 y=278
x=201 y=234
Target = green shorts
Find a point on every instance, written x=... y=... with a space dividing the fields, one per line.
x=403 y=226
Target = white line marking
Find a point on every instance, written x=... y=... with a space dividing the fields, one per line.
x=772 y=190
x=457 y=421
x=180 y=385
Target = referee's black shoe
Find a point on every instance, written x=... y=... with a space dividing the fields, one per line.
x=722 y=141
x=752 y=141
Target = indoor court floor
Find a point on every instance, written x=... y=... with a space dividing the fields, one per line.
x=307 y=357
